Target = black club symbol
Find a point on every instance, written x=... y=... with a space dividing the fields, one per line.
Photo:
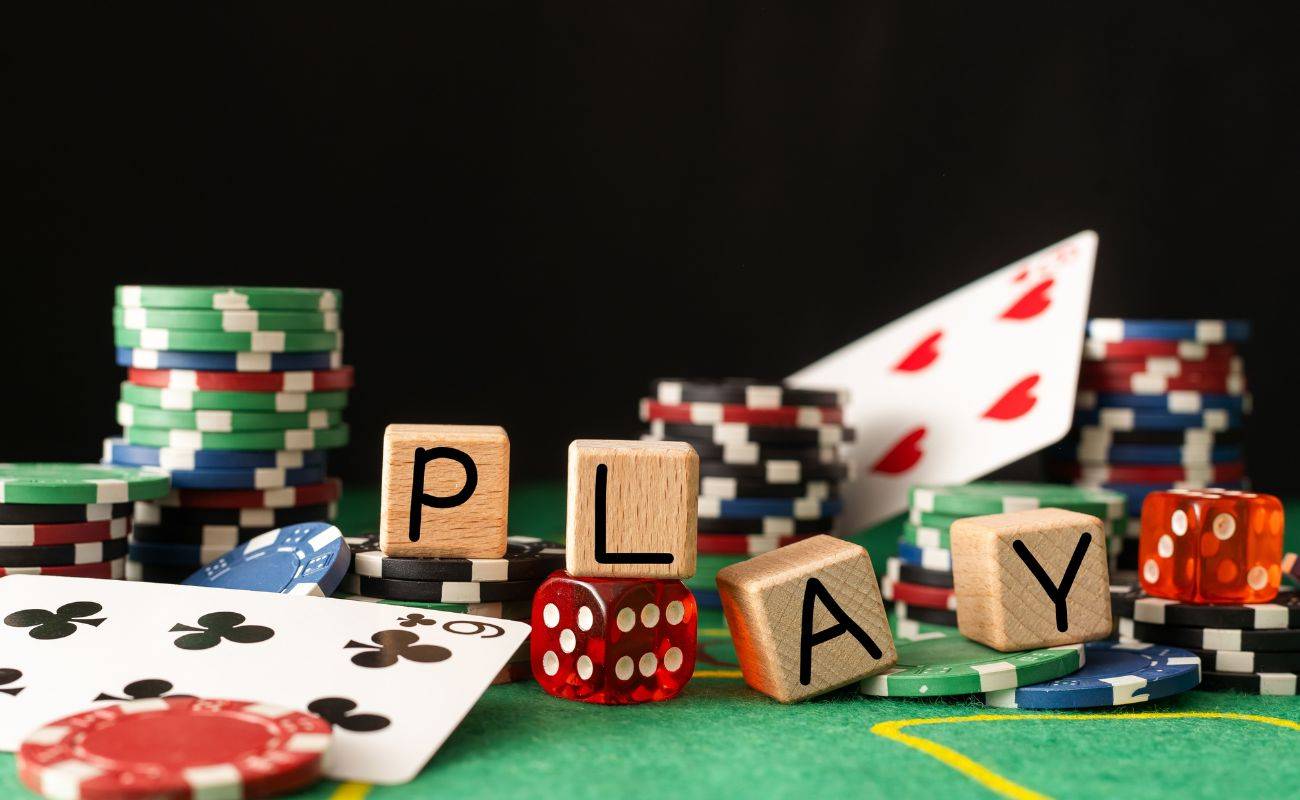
x=411 y=620
x=338 y=710
x=220 y=625
x=390 y=646
x=8 y=676
x=144 y=689
x=55 y=624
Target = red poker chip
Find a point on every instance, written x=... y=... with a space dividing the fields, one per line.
x=286 y=497
x=1150 y=383
x=301 y=381
x=715 y=413
x=1160 y=365
x=115 y=570
x=915 y=594
x=100 y=530
x=1137 y=473
x=175 y=748
x=744 y=544
x=1094 y=350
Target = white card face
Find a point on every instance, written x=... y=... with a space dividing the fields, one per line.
x=966 y=384
x=395 y=681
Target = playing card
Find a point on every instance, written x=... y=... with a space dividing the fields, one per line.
x=963 y=385
x=394 y=681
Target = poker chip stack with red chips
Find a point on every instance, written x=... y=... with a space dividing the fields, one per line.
x=771 y=464
x=238 y=393
x=175 y=748
x=1162 y=404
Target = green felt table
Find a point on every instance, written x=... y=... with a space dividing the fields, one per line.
x=720 y=739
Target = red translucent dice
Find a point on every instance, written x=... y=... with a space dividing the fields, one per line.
x=1211 y=546
x=613 y=640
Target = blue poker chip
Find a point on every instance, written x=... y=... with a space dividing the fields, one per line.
x=707 y=598
x=175 y=554
x=1175 y=402
x=938 y=559
x=1113 y=674
x=1136 y=493
x=1146 y=454
x=1132 y=419
x=255 y=478
x=310 y=558
x=118 y=451
x=754 y=507
x=227 y=362
x=1205 y=331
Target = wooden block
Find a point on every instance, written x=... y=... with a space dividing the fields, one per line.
x=806 y=618
x=1031 y=579
x=632 y=509
x=446 y=491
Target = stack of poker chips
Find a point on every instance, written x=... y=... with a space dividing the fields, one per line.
x=501 y=588
x=70 y=519
x=918 y=580
x=1162 y=404
x=236 y=392
x=771 y=464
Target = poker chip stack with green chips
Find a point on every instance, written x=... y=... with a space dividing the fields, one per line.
x=71 y=519
x=918 y=580
x=502 y=588
x=1162 y=404
x=237 y=393
x=771 y=464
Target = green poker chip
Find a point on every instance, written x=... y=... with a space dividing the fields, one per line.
x=198 y=319
x=300 y=439
x=934 y=530
x=200 y=400
x=229 y=342
x=509 y=609
x=937 y=665
x=129 y=415
x=230 y=298
x=80 y=484
x=992 y=497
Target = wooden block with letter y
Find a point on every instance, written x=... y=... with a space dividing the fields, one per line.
x=446 y=491
x=1031 y=579
x=806 y=618
x=632 y=509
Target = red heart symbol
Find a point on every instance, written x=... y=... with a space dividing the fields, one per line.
x=902 y=456
x=1032 y=303
x=922 y=356
x=1016 y=402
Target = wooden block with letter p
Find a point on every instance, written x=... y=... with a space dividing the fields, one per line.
x=1031 y=579
x=807 y=618
x=632 y=509
x=446 y=491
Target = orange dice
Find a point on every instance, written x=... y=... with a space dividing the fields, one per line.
x=1211 y=546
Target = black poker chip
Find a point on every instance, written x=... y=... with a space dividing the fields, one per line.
x=774 y=526
x=1242 y=661
x=1198 y=638
x=731 y=488
x=157 y=573
x=202 y=535
x=192 y=519
x=752 y=453
x=930 y=616
x=439 y=591
x=1275 y=683
x=910 y=573
x=1170 y=437
x=526 y=558
x=1133 y=603
x=61 y=555
x=732 y=432
x=59 y=514
x=774 y=471
x=752 y=392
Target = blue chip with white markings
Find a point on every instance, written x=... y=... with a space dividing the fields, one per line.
x=1113 y=674
x=119 y=451
x=1134 y=419
x=310 y=559
x=1205 y=331
x=227 y=362
x=938 y=559
x=255 y=478
x=1175 y=402
x=754 y=507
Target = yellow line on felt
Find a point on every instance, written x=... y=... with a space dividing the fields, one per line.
x=351 y=791
x=893 y=729
x=720 y=633
x=716 y=673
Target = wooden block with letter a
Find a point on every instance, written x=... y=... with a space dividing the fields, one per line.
x=632 y=509
x=446 y=491
x=1030 y=579
x=806 y=618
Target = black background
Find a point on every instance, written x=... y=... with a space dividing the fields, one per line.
x=532 y=209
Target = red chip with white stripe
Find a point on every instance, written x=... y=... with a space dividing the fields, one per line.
x=100 y=530
x=715 y=413
x=199 y=380
x=175 y=748
x=286 y=497
x=110 y=570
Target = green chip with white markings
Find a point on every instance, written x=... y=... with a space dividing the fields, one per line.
x=229 y=342
x=935 y=665
x=79 y=484
x=201 y=319
x=995 y=497
x=201 y=400
x=934 y=530
x=510 y=609
x=230 y=298
x=225 y=421
x=298 y=439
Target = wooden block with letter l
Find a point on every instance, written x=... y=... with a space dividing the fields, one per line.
x=1030 y=579
x=807 y=618
x=632 y=509
x=446 y=491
